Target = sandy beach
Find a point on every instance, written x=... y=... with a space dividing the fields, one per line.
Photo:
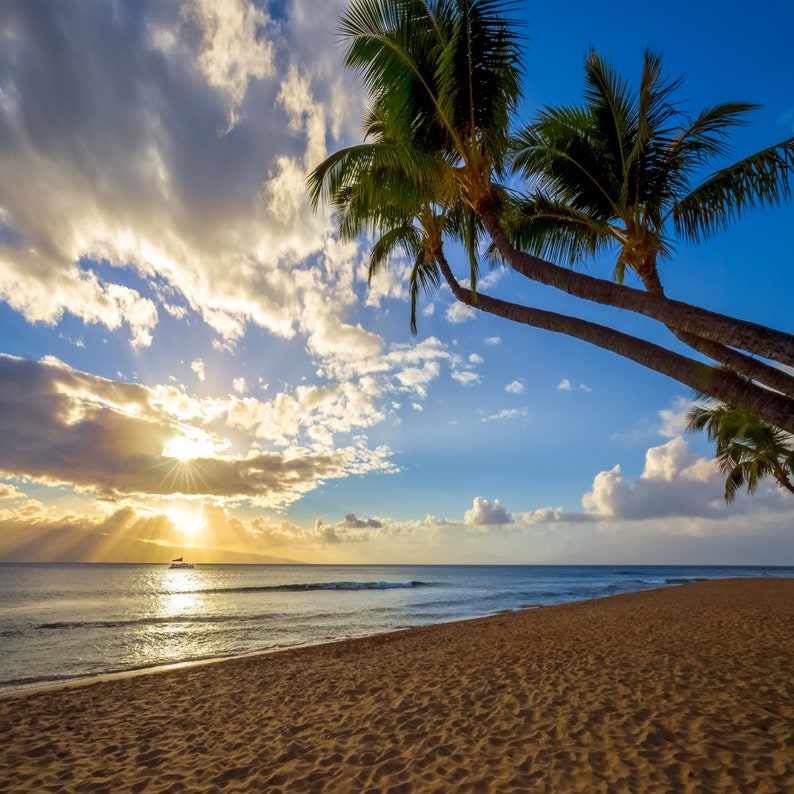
x=684 y=689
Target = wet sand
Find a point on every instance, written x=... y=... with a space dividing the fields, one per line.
x=683 y=689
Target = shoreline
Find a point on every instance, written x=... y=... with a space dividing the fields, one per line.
x=681 y=688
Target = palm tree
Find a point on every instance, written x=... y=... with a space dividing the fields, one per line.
x=747 y=449
x=444 y=82
x=623 y=171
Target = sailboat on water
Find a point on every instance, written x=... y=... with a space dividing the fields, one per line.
x=179 y=562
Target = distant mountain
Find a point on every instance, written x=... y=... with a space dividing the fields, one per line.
x=70 y=544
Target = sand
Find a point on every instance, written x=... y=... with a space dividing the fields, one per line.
x=683 y=689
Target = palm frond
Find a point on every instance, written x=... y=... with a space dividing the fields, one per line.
x=747 y=449
x=478 y=72
x=556 y=230
x=614 y=118
x=762 y=179
x=405 y=237
x=425 y=277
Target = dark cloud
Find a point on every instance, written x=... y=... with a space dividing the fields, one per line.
x=352 y=522
x=59 y=426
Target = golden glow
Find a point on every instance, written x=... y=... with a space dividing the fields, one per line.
x=186 y=516
x=185 y=448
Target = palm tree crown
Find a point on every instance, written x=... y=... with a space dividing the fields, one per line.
x=747 y=448
x=623 y=169
x=443 y=82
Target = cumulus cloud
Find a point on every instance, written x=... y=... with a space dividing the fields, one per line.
x=459 y=313
x=516 y=387
x=674 y=419
x=61 y=426
x=483 y=513
x=674 y=482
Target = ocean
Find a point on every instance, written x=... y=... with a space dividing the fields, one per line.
x=70 y=621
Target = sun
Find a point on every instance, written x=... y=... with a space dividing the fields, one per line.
x=185 y=448
x=186 y=516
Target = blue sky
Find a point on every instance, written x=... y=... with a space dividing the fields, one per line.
x=186 y=348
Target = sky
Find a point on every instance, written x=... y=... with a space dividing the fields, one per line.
x=189 y=357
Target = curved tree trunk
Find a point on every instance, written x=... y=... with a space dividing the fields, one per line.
x=739 y=362
x=724 y=386
x=748 y=366
x=775 y=345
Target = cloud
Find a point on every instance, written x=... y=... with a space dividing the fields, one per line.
x=566 y=385
x=61 y=426
x=198 y=367
x=516 y=387
x=8 y=491
x=351 y=522
x=233 y=48
x=154 y=156
x=674 y=419
x=506 y=413
x=459 y=313
x=466 y=378
x=483 y=513
x=674 y=482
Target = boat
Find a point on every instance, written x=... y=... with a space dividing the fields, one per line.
x=179 y=562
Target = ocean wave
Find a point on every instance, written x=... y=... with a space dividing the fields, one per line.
x=297 y=587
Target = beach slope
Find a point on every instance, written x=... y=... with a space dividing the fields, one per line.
x=685 y=689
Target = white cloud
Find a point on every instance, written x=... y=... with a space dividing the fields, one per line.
x=483 y=513
x=675 y=482
x=459 y=313
x=233 y=49
x=674 y=418
x=476 y=359
x=198 y=367
x=117 y=162
x=466 y=378
x=492 y=340
x=566 y=385
x=506 y=413
x=516 y=387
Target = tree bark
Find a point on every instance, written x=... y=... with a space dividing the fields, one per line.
x=739 y=362
x=748 y=366
x=751 y=337
x=722 y=385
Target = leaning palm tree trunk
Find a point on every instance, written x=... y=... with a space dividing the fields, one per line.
x=730 y=331
x=720 y=384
